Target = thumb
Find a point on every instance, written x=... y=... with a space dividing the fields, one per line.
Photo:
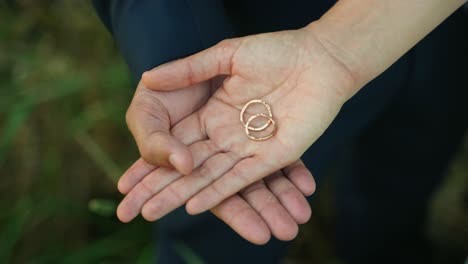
x=149 y=122
x=194 y=69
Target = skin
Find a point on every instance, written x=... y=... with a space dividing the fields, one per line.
x=274 y=205
x=306 y=75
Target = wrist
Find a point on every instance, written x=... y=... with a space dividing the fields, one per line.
x=343 y=61
x=368 y=36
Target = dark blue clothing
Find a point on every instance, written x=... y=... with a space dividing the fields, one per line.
x=395 y=136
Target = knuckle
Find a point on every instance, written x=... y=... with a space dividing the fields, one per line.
x=275 y=177
x=290 y=190
x=153 y=148
x=251 y=190
x=238 y=216
x=269 y=203
x=191 y=75
x=147 y=154
x=206 y=170
x=225 y=51
x=147 y=186
x=241 y=179
x=217 y=191
x=223 y=44
x=176 y=195
x=227 y=44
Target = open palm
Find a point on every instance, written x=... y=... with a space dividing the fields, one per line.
x=289 y=70
x=150 y=117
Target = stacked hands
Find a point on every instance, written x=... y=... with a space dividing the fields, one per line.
x=185 y=119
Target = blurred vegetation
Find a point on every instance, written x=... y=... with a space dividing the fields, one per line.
x=63 y=143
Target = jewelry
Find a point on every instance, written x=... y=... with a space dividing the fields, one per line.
x=270 y=121
x=268 y=116
x=256 y=101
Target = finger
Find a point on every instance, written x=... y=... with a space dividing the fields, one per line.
x=157 y=180
x=302 y=178
x=281 y=224
x=289 y=196
x=189 y=130
x=134 y=174
x=177 y=193
x=199 y=67
x=244 y=173
x=141 y=168
x=242 y=218
x=148 y=120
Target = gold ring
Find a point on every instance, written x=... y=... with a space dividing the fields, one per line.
x=256 y=101
x=270 y=121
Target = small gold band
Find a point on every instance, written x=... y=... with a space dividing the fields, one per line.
x=268 y=116
x=270 y=121
x=256 y=101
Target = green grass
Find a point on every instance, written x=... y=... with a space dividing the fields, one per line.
x=64 y=91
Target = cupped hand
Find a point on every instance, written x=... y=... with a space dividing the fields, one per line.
x=275 y=205
x=291 y=71
x=150 y=117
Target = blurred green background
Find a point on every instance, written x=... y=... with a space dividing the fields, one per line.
x=64 y=91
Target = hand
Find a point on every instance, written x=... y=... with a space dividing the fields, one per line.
x=255 y=214
x=291 y=70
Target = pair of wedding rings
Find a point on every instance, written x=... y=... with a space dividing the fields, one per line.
x=247 y=124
